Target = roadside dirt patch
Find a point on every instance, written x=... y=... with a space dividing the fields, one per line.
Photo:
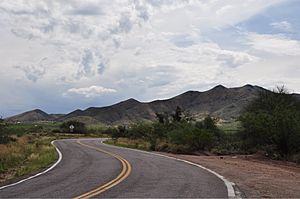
x=255 y=177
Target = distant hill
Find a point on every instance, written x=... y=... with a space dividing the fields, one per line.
x=31 y=116
x=221 y=102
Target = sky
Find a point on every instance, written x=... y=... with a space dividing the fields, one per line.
x=59 y=56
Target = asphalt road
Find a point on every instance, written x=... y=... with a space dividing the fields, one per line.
x=110 y=172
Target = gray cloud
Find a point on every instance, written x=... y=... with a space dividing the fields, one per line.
x=101 y=67
x=142 y=48
x=91 y=63
x=148 y=77
x=182 y=41
x=48 y=27
x=35 y=10
x=34 y=72
x=86 y=64
x=234 y=60
x=23 y=34
x=87 y=10
x=124 y=25
x=142 y=10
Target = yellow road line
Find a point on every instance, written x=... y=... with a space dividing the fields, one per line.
x=126 y=170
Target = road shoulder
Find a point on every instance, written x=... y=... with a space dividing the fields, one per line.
x=256 y=178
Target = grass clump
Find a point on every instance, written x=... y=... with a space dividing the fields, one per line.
x=29 y=153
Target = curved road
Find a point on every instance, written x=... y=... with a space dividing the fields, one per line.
x=89 y=168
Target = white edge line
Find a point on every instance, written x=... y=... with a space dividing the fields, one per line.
x=38 y=174
x=228 y=184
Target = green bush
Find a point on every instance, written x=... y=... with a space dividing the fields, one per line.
x=140 y=130
x=173 y=132
x=194 y=138
x=4 y=135
x=113 y=132
x=4 y=139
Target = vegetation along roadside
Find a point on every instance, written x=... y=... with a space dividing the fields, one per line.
x=26 y=148
x=270 y=125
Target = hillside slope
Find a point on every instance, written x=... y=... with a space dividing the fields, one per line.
x=31 y=116
x=221 y=102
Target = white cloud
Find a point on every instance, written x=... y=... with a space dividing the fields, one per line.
x=274 y=44
x=91 y=91
x=142 y=48
x=282 y=25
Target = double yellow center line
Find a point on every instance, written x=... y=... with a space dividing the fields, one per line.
x=126 y=170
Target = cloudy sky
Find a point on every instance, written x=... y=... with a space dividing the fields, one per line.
x=62 y=55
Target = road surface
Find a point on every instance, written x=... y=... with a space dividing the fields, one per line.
x=91 y=169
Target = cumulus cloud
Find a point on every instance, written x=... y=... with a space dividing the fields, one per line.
x=275 y=44
x=91 y=91
x=230 y=58
x=141 y=48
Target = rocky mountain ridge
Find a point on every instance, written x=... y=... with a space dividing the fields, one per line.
x=221 y=102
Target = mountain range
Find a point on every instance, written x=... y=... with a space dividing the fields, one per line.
x=220 y=102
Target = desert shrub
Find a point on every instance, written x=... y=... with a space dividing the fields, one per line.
x=175 y=132
x=56 y=131
x=112 y=131
x=228 y=144
x=209 y=124
x=122 y=131
x=179 y=148
x=194 y=138
x=295 y=158
x=36 y=129
x=140 y=130
x=4 y=135
x=4 y=139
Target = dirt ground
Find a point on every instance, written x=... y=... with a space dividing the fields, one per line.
x=255 y=177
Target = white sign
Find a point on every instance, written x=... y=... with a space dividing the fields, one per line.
x=71 y=127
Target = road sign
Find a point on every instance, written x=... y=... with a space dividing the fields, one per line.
x=71 y=128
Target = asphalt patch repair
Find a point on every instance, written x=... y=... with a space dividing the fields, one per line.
x=256 y=177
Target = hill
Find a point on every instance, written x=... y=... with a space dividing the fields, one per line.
x=221 y=102
x=31 y=116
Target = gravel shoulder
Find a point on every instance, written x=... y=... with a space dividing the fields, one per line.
x=255 y=177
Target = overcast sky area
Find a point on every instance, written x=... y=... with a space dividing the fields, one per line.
x=62 y=55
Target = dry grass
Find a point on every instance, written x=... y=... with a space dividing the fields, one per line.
x=27 y=154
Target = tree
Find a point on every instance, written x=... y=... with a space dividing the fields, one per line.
x=208 y=124
x=273 y=120
x=163 y=118
x=121 y=131
x=177 y=116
